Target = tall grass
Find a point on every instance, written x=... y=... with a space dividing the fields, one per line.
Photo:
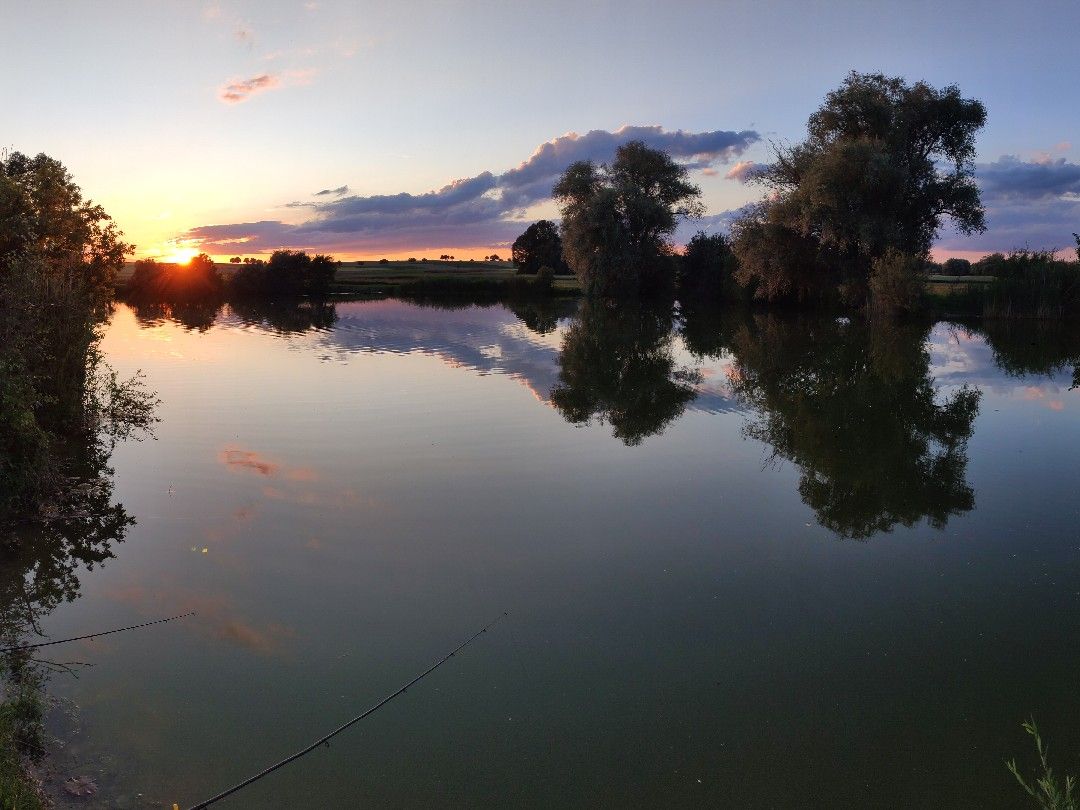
x=1033 y=284
x=1049 y=790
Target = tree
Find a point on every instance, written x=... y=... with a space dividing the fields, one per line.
x=617 y=219
x=60 y=256
x=956 y=267
x=494 y=257
x=539 y=245
x=883 y=165
x=234 y=260
x=1076 y=236
x=707 y=266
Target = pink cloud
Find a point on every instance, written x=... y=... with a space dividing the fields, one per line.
x=237 y=91
x=741 y=171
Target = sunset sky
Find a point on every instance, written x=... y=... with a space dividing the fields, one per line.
x=411 y=128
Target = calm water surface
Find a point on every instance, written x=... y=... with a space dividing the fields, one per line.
x=749 y=561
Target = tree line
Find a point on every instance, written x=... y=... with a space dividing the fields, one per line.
x=287 y=273
x=849 y=217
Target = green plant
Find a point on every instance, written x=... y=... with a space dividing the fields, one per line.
x=1048 y=790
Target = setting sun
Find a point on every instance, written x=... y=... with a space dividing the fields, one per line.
x=182 y=255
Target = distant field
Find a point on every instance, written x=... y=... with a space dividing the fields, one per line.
x=375 y=278
x=960 y=279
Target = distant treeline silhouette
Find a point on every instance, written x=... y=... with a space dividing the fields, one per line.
x=287 y=273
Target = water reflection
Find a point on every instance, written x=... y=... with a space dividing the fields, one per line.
x=851 y=404
x=854 y=406
x=617 y=363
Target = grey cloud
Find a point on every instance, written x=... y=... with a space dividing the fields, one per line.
x=1028 y=204
x=332 y=192
x=1010 y=178
x=484 y=210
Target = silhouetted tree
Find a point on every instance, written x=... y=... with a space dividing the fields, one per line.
x=287 y=273
x=539 y=245
x=706 y=268
x=60 y=257
x=617 y=364
x=616 y=220
x=198 y=280
x=883 y=164
x=235 y=260
x=956 y=267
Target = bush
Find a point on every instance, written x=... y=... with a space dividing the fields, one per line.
x=545 y=278
x=896 y=283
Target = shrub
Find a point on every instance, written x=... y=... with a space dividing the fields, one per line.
x=545 y=278
x=896 y=283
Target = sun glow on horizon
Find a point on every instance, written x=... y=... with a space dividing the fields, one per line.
x=181 y=255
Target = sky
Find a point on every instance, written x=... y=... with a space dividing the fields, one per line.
x=402 y=129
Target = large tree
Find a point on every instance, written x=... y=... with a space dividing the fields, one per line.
x=539 y=246
x=884 y=164
x=616 y=220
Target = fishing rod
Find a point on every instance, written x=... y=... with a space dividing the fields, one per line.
x=357 y=719
x=92 y=635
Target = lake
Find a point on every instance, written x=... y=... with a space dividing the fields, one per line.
x=749 y=560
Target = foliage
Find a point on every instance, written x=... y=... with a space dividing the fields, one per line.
x=707 y=267
x=62 y=410
x=990 y=265
x=617 y=364
x=198 y=280
x=540 y=245
x=1048 y=790
x=883 y=164
x=1034 y=283
x=617 y=219
x=897 y=283
x=59 y=259
x=956 y=267
x=287 y=273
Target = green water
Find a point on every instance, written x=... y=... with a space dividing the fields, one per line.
x=750 y=561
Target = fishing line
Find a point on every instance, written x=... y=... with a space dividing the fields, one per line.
x=357 y=719
x=93 y=635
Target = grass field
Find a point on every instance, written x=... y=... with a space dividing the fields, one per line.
x=395 y=277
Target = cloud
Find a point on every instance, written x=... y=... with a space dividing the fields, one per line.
x=743 y=171
x=336 y=192
x=485 y=210
x=240 y=90
x=1010 y=178
x=1029 y=203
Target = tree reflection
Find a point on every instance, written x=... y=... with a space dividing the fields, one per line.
x=195 y=315
x=617 y=364
x=1041 y=347
x=287 y=315
x=854 y=406
x=542 y=315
